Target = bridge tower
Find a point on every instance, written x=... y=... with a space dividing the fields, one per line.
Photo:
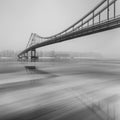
x=34 y=56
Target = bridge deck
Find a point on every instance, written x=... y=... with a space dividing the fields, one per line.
x=98 y=27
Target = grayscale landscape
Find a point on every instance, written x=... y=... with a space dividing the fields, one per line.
x=59 y=60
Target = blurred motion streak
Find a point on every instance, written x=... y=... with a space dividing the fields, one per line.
x=87 y=89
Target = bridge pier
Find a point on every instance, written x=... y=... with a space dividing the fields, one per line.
x=19 y=58
x=23 y=57
x=26 y=56
x=34 y=56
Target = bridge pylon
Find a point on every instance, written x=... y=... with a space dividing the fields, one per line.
x=26 y=56
x=34 y=56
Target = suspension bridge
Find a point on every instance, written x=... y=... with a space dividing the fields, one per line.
x=104 y=16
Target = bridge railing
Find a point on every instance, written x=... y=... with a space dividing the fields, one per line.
x=71 y=28
x=82 y=22
x=99 y=15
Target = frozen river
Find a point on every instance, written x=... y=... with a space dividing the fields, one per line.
x=84 y=90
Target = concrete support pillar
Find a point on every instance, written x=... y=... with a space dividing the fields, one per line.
x=33 y=55
x=26 y=55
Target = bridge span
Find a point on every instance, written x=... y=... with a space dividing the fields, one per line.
x=101 y=18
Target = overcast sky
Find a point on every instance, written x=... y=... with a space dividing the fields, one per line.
x=19 y=18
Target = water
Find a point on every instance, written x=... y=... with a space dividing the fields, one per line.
x=85 y=89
